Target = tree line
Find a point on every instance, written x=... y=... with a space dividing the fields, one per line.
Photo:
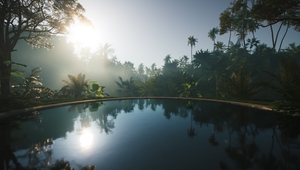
x=246 y=69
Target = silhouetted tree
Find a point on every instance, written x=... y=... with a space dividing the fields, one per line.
x=238 y=85
x=149 y=87
x=288 y=84
x=192 y=42
x=127 y=86
x=33 y=21
x=106 y=50
x=267 y=10
x=212 y=35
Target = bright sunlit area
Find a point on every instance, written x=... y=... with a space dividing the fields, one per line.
x=84 y=37
x=149 y=84
x=86 y=139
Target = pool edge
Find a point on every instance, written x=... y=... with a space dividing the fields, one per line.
x=16 y=112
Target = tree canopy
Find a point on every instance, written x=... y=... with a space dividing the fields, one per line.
x=274 y=11
x=246 y=16
x=33 y=21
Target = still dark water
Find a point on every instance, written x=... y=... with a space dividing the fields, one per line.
x=151 y=134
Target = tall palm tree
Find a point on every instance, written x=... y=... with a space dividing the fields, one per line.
x=153 y=70
x=192 y=42
x=191 y=131
x=212 y=34
x=106 y=50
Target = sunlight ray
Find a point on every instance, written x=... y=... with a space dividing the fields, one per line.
x=84 y=38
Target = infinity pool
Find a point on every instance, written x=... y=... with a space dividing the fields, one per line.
x=151 y=134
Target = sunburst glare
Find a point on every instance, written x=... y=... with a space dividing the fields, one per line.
x=84 y=37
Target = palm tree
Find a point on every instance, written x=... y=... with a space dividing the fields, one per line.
x=212 y=34
x=191 y=131
x=141 y=69
x=167 y=59
x=292 y=49
x=127 y=86
x=287 y=86
x=153 y=70
x=192 y=42
x=219 y=46
x=106 y=50
x=252 y=43
x=148 y=88
x=238 y=85
x=76 y=86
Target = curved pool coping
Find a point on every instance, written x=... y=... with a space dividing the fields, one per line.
x=16 y=112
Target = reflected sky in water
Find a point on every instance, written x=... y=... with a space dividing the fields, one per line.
x=153 y=134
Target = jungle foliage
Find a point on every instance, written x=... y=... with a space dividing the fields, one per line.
x=246 y=69
x=223 y=73
x=34 y=22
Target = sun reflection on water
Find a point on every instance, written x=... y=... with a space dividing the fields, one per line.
x=86 y=139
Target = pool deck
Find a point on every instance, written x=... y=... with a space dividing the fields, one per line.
x=16 y=112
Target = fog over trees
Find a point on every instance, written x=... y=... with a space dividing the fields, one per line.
x=245 y=69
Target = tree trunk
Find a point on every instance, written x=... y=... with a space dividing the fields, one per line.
x=229 y=38
x=5 y=55
x=5 y=71
x=287 y=28
x=191 y=53
x=216 y=84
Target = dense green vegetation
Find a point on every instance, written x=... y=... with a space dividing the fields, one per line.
x=223 y=74
x=243 y=70
x=34 y=22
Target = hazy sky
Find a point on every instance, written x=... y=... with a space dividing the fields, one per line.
x=145 y=31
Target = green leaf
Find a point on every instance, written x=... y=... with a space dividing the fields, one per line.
x=100 y=89
x=199 y=95
x=7 y=63
x=17 y=74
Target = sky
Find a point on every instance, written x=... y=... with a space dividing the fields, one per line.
x=145 y=31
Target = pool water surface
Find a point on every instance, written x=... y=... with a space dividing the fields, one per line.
x=150 y=134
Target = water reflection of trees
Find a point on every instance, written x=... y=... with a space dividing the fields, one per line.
x=241 y=125
x=102 y=116
x=245 y=124
x=37 y=154
x=189 y=106
x=104 y=113
x=7 y=126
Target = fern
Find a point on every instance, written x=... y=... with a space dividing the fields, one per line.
x=287 y=86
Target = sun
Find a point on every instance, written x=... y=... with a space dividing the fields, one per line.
x=83 y=35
